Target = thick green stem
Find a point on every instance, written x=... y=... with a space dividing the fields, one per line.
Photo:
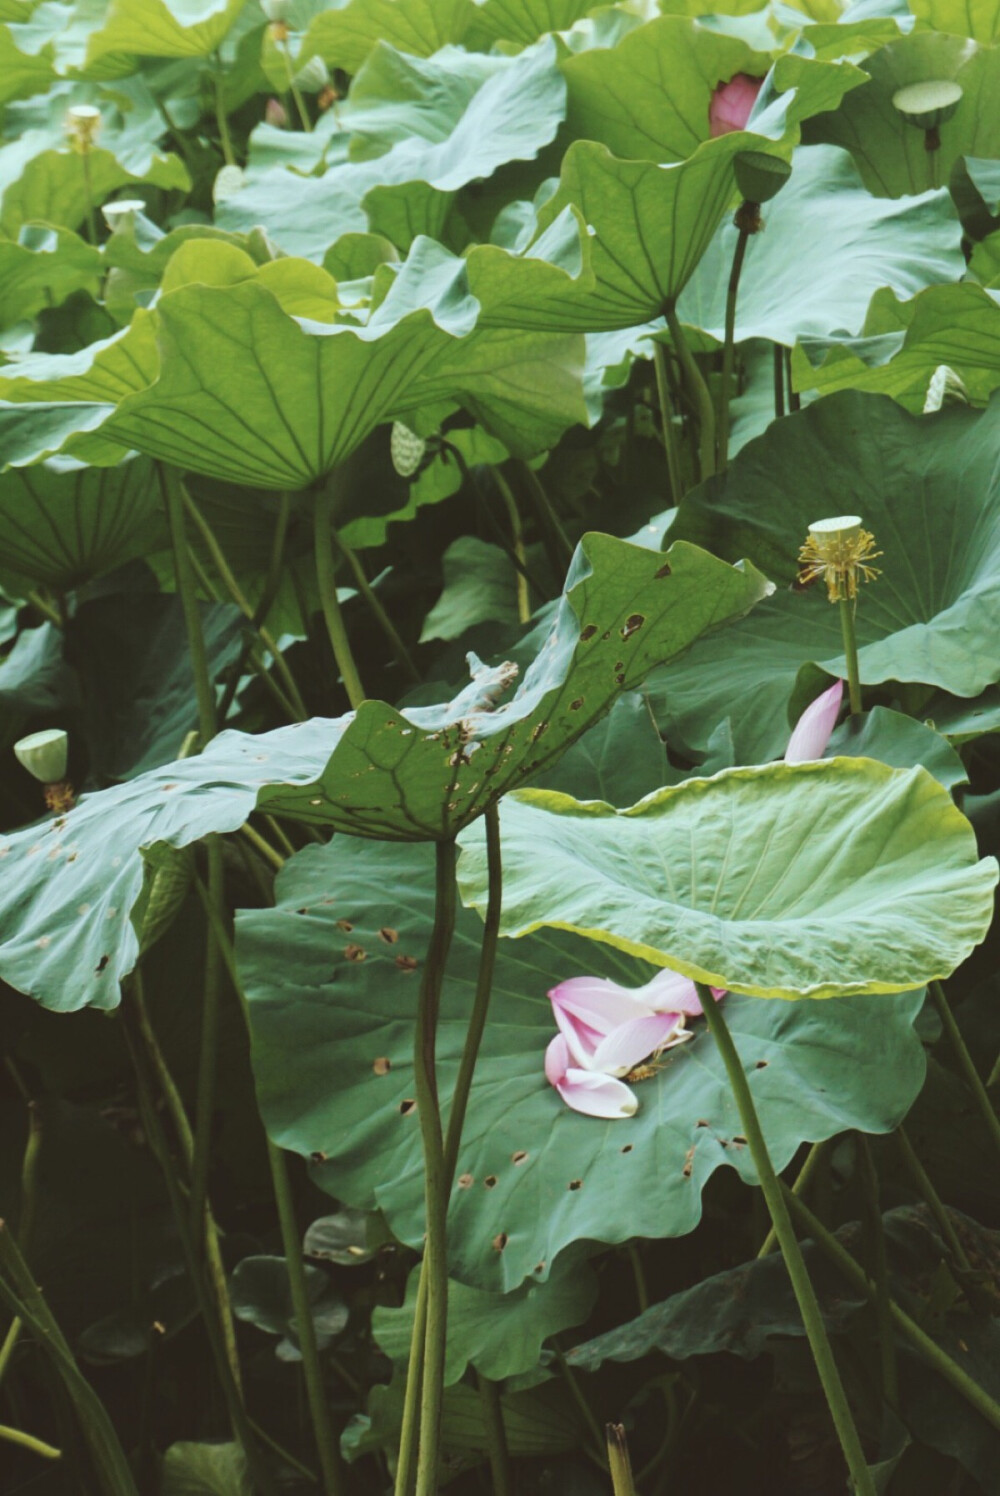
x=557 y=542
x=847 y=606
x=23 y=1299
x=88 y=187
x=794 y=399
x=517 y=544
x=966 y=1063
x=28 y=1441
x=409 y=1433
x=435 y=1180
x=929 y=1351
x=729 y=348
x=235 y=591
x=619 y=1462
x=671 y=445
x=170 y=488
x=779 y=381
x=814 y=1158
x=203 y=1228
x=221 y=118
x=326 y=580
x=382 y=618
x=323 y=1433
x=294 y=90
x=496 y=1436
x=305 y=1329
x=208 y=1053
x=936 y=1206
x=699 y=392
x=805 y=1294
x=212 y=1319
x=879 y=1272
x=577 y=1394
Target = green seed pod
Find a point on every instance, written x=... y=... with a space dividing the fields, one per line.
x=44 y=754
x=406 y=449
x=314 y=76
x=760 y=176
x=945 y=388
x=928 y=105
x=228 y=181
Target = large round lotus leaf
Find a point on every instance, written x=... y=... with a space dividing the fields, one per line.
x=814 y=271
x=891 y=154
x=333 y=994
x=927 y=488
x=902 y=345
x=346 y=36
x=791 y=880
x=70 y=886
x=64 y=524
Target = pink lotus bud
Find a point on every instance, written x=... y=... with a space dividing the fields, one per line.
x=276 y=114
x=811 y=733
x=731 y=104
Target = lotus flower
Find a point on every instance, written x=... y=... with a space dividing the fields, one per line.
x=732 y=103
x=606 y=1031
x=811 y=733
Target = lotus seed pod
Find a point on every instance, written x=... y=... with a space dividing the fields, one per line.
x=928 y=105
x=83 y=125
x=840 y=551
x=945 y=388
x=121 y=214
x=760 y=176
x=406 y=449
x=44 y=754
x=314 y=76
x=228 y=181
x=844 y=528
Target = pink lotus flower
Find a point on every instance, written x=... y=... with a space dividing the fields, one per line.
x=731 y=104
x=275 y=113
x=812 y=731
x=606 y=1031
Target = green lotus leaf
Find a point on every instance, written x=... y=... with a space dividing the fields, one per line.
x=261 y=1295
x=480 y=586
x=975 y=186
x=63 y=524
x=648 y=97
x=538 y=1422
x=977 y=19
x=48 y=185
x=523 y=21
x=419 y=130
x=191 y=1469
x=529 y=1169
x=157 y=28
x=22 y=73
x=401 y=776
x=186 y=391
x=828 y=247
x=42 y=269
x=345 y=37
x=955 y=325
x=649 y=226
x=890 y=153
x=928 y=490
x=790 y=880
x=501 y=1335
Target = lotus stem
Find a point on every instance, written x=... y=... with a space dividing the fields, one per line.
x=930 y=1352
x=779 y=381
x=817 y=1153
x=208 y=1050
x=936 y=1206
x=557 y=542
x=729 y=346
x=875 y=1232
x=966 y=1062
x=263 y=846
x=517 y=543
x=409 y=1433
x=173 y=502
x=699 y=392
x=435 y=1179
x=805 y=1294
x=327 y=583
x=671 y=446
x=619 y=1463
x=221 y=118
x=28 y=1441
x=293 y=88
x=496 y=1436
x=385 y=623
x=847 y=610
x=794 y=399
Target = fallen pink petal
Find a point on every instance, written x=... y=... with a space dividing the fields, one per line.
x=813 y=730
x=585 y=1090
